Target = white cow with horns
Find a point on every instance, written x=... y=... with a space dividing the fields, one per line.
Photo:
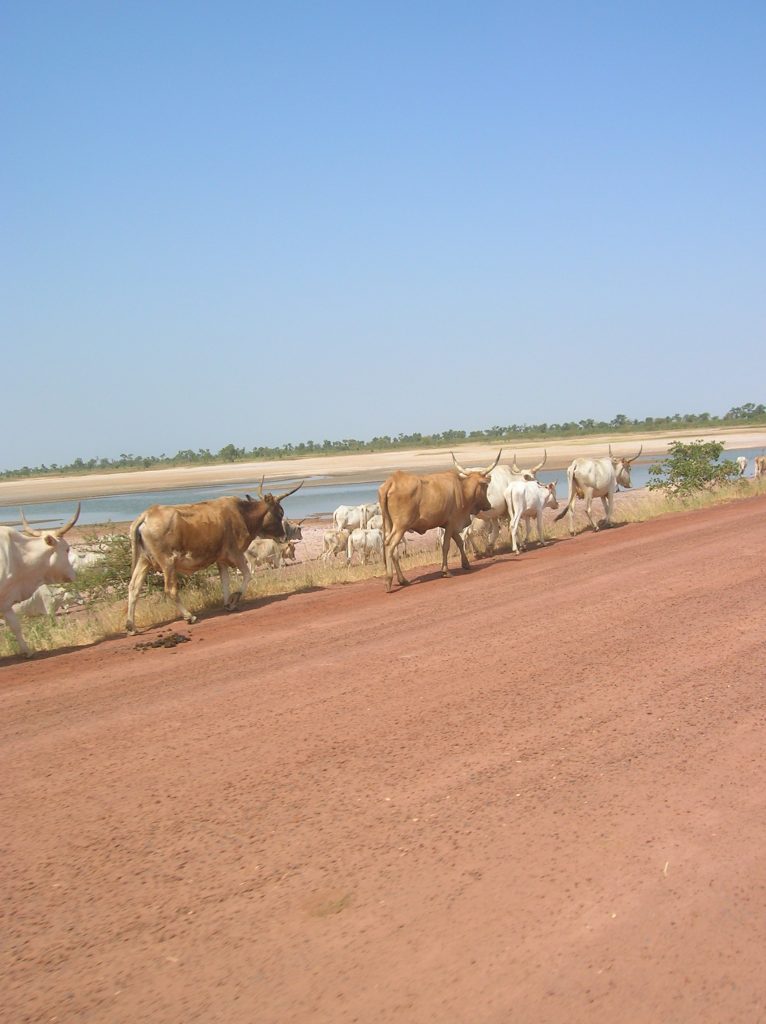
x=596 y=478
x=27 y=560
x=501 y=478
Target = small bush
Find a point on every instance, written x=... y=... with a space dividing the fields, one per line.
x=690 y=468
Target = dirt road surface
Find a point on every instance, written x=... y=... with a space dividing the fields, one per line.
x=535 y=792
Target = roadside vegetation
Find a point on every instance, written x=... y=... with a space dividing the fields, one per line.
x=692 y=467
x=748 y=414
x=104 y=587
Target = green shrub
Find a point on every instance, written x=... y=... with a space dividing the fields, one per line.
x=690 y=468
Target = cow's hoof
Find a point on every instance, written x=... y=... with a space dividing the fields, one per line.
x=404 y=583
x=190 y=619
x=131 y=630
x=446 y=573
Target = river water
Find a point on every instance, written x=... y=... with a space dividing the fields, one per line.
x=317 y=500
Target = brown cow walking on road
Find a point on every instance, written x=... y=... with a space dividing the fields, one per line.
x=177 y=539
x=420 y=503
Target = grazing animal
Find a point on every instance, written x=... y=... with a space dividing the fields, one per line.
x=760 y=466
x=366 y=543
x=375 y=523
x=27 y=560
x=267 y=551
x=526 y=500
x=742 y=463
x=596 y=478
x=354 y=517
x=44 y=601
x=293 y=531
x=177 y=539
x=333 y=543
x=420 y=503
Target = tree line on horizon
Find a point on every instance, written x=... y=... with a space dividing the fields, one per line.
x=749 y=413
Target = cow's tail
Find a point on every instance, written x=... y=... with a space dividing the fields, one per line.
x=572 y=494
x=388 y=524
x=135 y=540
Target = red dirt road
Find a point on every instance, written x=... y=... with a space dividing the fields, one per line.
x=531 y=793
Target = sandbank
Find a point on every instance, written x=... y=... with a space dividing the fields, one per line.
x=356 y=467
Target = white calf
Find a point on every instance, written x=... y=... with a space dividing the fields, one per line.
x=264 y=551
x=366 y=542
x=333 y=543
x=526 y=500
x=44 y=601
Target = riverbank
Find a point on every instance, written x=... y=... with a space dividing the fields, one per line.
x=361 y=467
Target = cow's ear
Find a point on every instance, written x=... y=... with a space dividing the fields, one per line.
x=249 y=497
x=50 y=540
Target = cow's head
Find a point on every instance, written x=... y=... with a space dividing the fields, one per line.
x=293 y=531
x=531 y=473
x=265 y=516
x=54 y=550
x=622 y=466
x=475 y=483
x=550 y=498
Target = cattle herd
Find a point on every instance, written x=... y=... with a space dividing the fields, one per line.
x=460 y=504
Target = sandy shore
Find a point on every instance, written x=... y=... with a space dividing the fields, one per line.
x=351 y=468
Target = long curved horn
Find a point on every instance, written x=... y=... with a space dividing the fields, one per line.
x=458 y=467
x=69 y=524
x=27 y=528
x=260 y=487
x=281 y=497
x=491 y=466
x=610 y=452
x=515 y=466
x=539 y=466
x=635 y=456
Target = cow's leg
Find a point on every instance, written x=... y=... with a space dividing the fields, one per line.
x=12 y=621
x=171 y=589
x=463 y=557
x=589 y=507
x=493 y=532
x=539 y=519
x=223 y=572
x=241 y=563
x=607 y=502
x=446 y=541
x=137 y=578
x=391 y=560
x=515 y=521
x=571 y=517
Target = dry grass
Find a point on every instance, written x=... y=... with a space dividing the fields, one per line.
x=106 y=617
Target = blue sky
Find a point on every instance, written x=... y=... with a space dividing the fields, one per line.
x=263 y=223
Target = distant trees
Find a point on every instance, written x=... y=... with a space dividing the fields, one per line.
x=741 y=414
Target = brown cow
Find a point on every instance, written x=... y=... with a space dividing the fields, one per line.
x=760 y=466
x=420 y=503
x=183 y=538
